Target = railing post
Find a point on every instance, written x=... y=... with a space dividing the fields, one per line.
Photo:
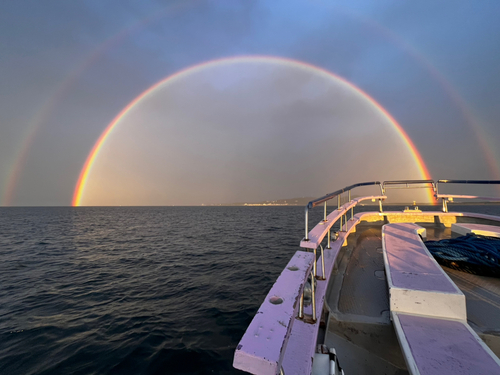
x=380 y=205
x=301 y=304
x=329 y=230
x=307 y=224
x=445 y=205
x=314 y=264
x=352 y=208
x=313 y=297
x=322 y=264
x=338 y=205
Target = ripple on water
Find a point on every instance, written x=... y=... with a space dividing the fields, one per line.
x=135 y=290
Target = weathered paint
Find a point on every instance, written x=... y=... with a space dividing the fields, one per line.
x=410 y=265
x=302 y=343
x=261 y=348
x=417 y=284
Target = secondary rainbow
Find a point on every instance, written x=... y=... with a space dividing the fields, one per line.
x=87 y=167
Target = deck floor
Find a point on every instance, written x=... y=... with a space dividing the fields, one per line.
x=364 y=290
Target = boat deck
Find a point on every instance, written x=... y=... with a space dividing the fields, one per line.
x=358 y=301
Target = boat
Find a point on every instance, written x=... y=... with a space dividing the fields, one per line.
x=365 y=295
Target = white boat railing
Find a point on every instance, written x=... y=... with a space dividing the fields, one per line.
x=315 y=237
x=446 y=198
x=324 y=199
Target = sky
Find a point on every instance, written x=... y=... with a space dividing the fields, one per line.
x=266 y=100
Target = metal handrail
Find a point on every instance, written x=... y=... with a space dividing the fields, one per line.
x=389 y=184
x=313 y=297
x=399 y=182
x=487 y=182
x=475 y=182
x=327 y=197
x=314 y=275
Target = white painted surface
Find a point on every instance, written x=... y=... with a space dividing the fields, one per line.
x=421 y=302
x=480 y=229
x=442 y=305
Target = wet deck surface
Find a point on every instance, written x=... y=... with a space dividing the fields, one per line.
x=364 y=290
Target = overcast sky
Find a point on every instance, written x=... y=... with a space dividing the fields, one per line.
x=250 y=131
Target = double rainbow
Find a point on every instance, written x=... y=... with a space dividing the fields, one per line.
x=87 y=167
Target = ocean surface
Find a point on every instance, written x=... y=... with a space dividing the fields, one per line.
x=138 y=290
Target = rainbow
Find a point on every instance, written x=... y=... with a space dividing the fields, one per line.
x=87 y=167
x=43 y=113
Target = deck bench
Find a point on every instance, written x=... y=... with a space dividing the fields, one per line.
x=481 y=229
x=434 y=346
x=417 y=283
x=428 y=310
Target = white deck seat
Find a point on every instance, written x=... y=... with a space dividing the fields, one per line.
x=481 y=229
x=435 y=346
x=417 y=283
x=428 y=310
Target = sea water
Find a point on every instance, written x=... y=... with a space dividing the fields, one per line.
x=138 y=290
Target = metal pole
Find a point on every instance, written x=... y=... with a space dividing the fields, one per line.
x=352 y=208
x=329 y=233
x=314 y=264
x=329 y=239
x=313 y=296
x=445 y=206
x=301 y=305
x=307 y=224
x=322 y=264
x=338 y=204
x=325 y=213
x=380 y=205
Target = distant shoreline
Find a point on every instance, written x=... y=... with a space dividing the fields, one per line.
x=291 y=204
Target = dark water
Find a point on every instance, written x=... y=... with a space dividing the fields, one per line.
x=135 y=290
x=167 y=290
